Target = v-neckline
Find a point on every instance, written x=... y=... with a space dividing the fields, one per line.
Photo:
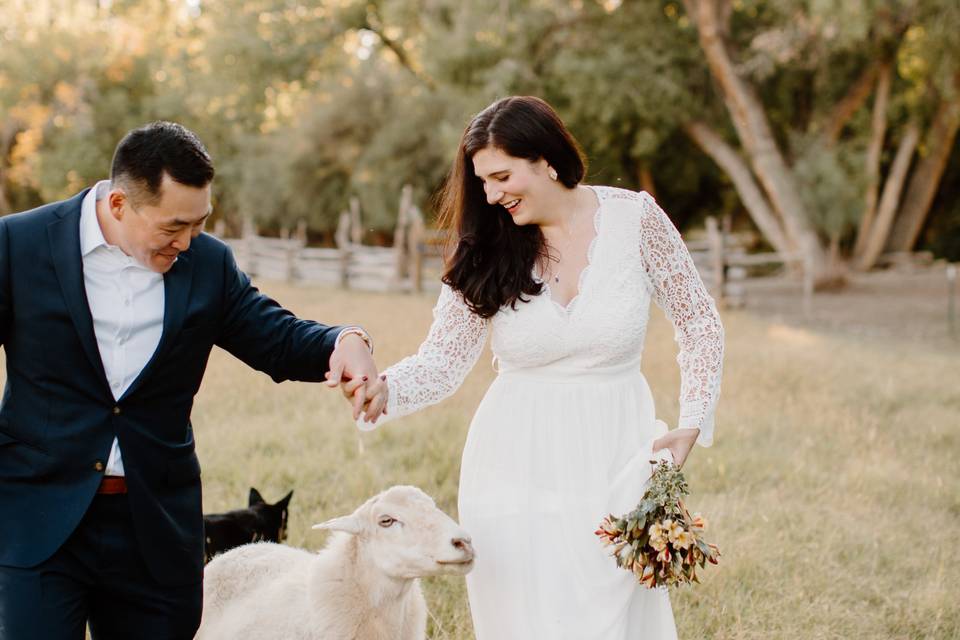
x=567 y=308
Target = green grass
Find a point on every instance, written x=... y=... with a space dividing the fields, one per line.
x=833 y=487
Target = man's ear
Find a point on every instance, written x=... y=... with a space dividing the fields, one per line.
x=115 y=201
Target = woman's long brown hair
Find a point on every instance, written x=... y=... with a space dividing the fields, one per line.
x=489 y=259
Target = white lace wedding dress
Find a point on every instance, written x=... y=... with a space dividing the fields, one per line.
x=563 y=435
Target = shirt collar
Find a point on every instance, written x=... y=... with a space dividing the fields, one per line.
x=91 y=235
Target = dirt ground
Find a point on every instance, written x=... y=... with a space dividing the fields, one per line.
x=909 y=305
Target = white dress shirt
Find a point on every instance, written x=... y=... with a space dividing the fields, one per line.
x=126 y=301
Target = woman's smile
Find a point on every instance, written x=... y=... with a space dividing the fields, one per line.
x=512 y=205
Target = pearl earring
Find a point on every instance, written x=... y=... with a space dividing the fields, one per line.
x=553 y=174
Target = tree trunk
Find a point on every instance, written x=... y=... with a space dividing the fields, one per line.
x=753 y=129
x=878 y=131
x=646 y=179
x=851 y=102
x=891 y=196
x=926 y=178
x=750 y=194
x=7 y=136
x=5 y=207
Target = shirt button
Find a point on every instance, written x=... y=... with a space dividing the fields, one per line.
x=116 y=411
x=98 y=466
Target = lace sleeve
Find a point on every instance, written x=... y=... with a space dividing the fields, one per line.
x=447 y=355
x=679 y=291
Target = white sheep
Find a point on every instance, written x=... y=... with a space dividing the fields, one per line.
x=362 y=586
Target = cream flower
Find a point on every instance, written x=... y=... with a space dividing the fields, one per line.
x=683 y=540
x=674 y=529
x=659 y=543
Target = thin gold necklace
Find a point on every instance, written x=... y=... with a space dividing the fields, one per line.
x=569 y=235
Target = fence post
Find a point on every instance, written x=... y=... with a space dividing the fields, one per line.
x=248 y=239
x=342 y=239
x=300 y=235
x=715 y=244
x=951 y=300
x=400 y=235
x=416 y=247
x=291 y=266
x=356 y=230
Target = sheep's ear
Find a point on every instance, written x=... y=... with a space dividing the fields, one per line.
x=348 y=524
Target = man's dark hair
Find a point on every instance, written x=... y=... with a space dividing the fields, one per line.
x=146 y=153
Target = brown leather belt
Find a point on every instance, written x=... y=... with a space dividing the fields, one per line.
x=112 y=485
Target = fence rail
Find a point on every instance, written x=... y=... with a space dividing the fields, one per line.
x=414 y=262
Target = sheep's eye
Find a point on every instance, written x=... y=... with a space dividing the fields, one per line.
x=386 y=521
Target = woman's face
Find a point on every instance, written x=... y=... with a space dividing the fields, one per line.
x=518 y=185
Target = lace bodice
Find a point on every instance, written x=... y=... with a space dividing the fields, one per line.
x=637 y=255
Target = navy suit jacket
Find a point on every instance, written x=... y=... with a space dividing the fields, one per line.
x=58 y=417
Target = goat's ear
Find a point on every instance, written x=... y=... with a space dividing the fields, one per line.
x=255 y=498
x=348 y=524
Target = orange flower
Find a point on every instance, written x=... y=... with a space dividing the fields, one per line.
x=664 y=555
x=716 y=553
x=648 y=577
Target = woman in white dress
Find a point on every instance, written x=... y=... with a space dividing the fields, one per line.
x=560 y=276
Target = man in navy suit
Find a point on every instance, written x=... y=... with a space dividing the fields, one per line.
x=110 y=303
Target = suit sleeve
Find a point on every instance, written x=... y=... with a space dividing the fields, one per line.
x=6 y=303
x=269 y=338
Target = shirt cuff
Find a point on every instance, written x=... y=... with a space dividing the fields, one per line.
x=354 y=330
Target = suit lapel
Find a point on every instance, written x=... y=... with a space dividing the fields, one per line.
x=176 y=294
x=64 y=236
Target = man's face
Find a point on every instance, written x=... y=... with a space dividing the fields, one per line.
x=154 y=234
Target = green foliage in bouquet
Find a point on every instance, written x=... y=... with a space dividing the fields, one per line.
x=659 y=540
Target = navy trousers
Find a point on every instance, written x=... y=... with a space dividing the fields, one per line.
x=98 y=577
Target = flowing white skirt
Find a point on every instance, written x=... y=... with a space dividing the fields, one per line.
x=550 y=452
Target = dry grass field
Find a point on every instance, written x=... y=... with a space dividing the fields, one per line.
x=833 y=488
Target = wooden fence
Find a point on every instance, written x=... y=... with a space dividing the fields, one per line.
x=414 y=262
x=724 y=263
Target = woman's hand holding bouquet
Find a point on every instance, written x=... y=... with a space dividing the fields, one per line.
x=659 y=540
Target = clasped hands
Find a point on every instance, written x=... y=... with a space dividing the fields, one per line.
x=353 y=370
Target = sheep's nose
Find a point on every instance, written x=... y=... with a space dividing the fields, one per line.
x=463 y=544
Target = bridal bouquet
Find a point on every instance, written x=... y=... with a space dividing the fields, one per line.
x=659 y=540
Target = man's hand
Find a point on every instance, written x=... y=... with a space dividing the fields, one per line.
x=679 y=442
x=351 y=361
